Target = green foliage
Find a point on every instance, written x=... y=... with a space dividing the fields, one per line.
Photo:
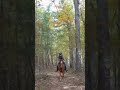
x=52 y=29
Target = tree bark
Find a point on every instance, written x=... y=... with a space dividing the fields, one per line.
x=118 y=49
x=104 y=46
x=91 y=45
x=77 y=38
x=16 y=22
x=70 y=45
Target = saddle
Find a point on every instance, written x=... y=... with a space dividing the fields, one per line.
x=60 y=67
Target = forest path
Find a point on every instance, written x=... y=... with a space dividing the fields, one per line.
x=49 y=80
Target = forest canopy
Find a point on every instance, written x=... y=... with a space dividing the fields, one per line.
x=56 y=31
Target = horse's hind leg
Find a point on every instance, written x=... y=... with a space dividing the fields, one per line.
x=63 y=74
x=60 y=76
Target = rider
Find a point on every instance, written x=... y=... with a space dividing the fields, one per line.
x=60 y=57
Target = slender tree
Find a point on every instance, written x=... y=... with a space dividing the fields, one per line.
x=77 y=39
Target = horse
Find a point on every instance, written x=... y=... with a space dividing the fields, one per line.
x=61 y=69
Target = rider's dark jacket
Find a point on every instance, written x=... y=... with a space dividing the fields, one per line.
x=60 y=58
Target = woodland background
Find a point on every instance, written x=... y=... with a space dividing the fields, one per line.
x=102 y=44
x=57 y=32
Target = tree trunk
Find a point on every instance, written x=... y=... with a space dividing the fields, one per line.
x=118 y=49
x=71 y=58
x=77 y=38
x=17 y=42
x=91 y=45
x=70 y=45
x=51 y=55
x=104 y=46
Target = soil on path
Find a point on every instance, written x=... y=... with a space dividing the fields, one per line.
x=49 y=80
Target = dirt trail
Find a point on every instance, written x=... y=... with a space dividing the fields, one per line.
x=49 y=80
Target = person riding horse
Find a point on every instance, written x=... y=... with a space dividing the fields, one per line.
x=60 y=58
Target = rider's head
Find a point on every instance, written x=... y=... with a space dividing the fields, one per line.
x=60 y=54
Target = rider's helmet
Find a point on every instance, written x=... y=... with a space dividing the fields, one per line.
x=60 y=57
x=60 y=54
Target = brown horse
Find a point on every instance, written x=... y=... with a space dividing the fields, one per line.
x=61 y=69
